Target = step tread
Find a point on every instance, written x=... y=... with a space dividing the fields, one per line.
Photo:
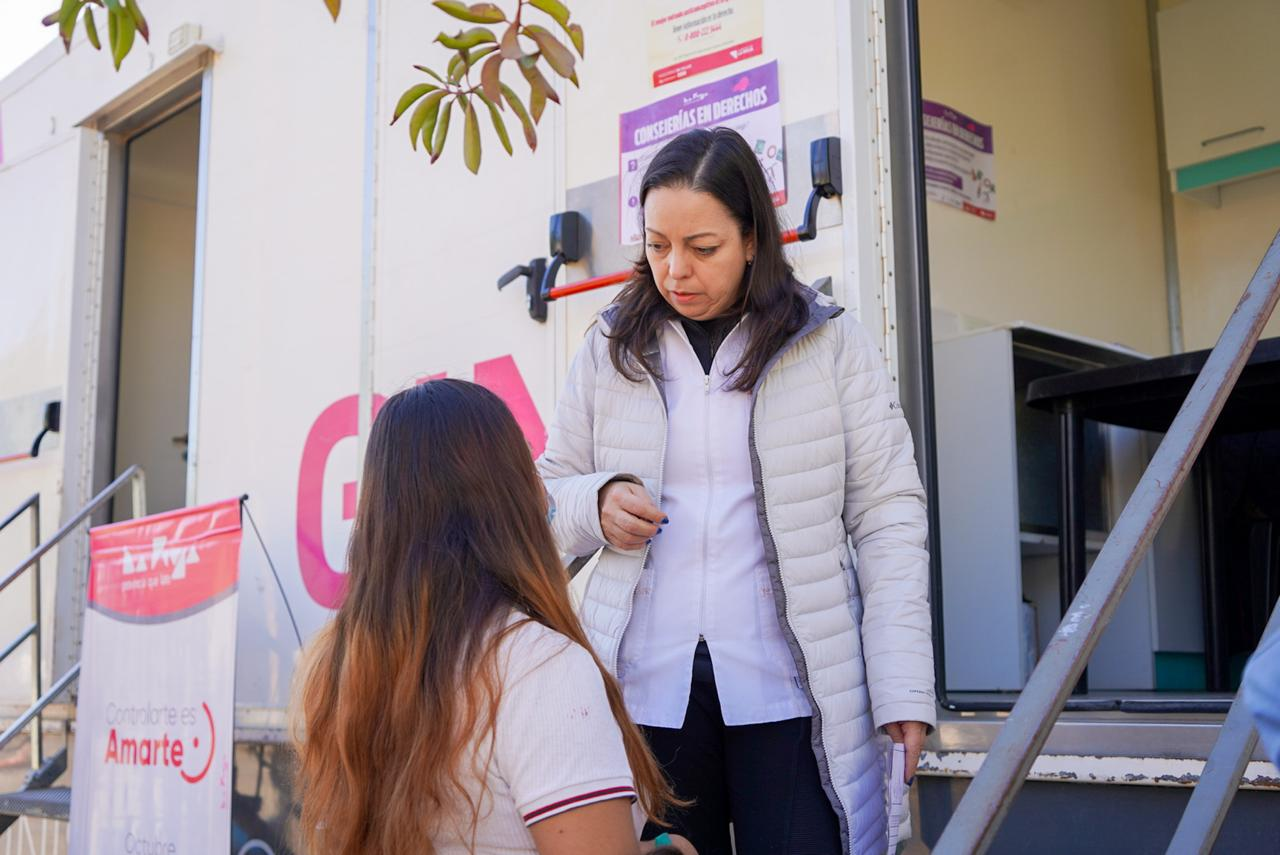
x=51 y=803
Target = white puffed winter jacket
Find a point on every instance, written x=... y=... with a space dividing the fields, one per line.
x=833 y=464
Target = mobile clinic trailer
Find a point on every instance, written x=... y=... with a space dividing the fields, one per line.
x=218 y=259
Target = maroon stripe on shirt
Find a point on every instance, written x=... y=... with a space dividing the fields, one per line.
x=630 y=791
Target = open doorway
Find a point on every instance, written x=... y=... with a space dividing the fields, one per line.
x=1127 y=192
x=153 y=380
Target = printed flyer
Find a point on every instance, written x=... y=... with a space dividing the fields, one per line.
x=959 y=161
x=687 y=38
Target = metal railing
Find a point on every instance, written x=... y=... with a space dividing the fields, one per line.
x=1202 y=819
x=975 y=822
x=132 y=476
x=32 y=630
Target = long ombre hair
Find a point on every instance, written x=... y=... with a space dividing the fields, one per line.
x=450 y=534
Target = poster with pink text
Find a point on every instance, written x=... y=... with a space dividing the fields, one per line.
x=688 y=37
x=156 y=710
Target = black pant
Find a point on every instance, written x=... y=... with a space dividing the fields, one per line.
x=761 y=777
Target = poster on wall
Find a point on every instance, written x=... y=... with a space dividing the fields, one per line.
x=747 y=102
x=959 y=161
x=153 y=744
x=688 y=37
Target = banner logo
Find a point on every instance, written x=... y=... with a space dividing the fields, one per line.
x=174 y=560
x=164 y=750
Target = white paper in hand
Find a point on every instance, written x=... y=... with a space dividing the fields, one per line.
x=897 y=793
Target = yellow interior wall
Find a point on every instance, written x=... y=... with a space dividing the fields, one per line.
x=1218 y=251
x=1067 y=87
x=1219 y=248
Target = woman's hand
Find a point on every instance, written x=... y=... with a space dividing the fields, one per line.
x=911 y=735
x=628 y=516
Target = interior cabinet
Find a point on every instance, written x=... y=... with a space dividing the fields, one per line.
x=1220 y=87
x=998 y=513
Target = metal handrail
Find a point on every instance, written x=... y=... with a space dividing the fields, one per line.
x=1202 y=819
x=133 y=476
x=32 y=631
x=43 y=701
x=31 y=501
x=976 y=820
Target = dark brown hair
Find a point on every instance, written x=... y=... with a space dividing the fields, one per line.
x=718 y=162
x=450 y=534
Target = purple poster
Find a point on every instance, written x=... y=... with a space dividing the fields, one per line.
x=959 y=161
x=747 y=102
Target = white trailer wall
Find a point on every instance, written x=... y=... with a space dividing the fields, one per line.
x=282 y=257
x=278 y=319
x=37 y=204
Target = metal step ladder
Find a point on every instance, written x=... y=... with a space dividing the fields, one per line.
x=38 y=797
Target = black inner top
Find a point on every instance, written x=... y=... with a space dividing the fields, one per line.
x=707 y=336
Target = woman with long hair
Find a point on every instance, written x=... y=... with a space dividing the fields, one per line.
x=453 y=704
x=725 y=435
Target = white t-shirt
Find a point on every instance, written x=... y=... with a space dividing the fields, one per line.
x=556 y=745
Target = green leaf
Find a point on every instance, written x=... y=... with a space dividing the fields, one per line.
x=412 y=94
x=471 y=138
x=464 y=60
x=113 y=28
x=499 y=126
x=554 y=8
x=479 y=54
x=429 y=118
x=67 y=21
x=465 y=41
x=537 y=102
x=477 y=13
x=113 y=5
x=573 y=30
x=559 y=57
x=513 y=101
x=125 y=31
x=441 y=131
x=491 y=78
x=511 y=44
x=539 y=90
x=91 y=29
x=457 y=66
x=138 y=21
x=434 y=74
x=426 y=112
x=334 y=7
x=490 y=12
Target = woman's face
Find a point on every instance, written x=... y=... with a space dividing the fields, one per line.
x=696 y=251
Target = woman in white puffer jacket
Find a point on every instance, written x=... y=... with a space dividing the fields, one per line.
x=724 y=435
